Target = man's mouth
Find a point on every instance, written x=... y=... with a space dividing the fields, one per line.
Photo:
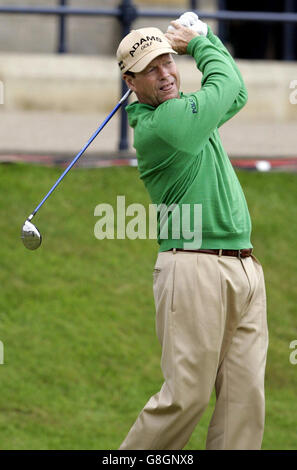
x=167 y=87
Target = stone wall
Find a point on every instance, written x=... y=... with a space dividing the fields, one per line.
x=92 y=83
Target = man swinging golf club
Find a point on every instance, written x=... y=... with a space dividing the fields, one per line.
x=210 y=299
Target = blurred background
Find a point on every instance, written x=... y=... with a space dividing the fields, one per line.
x=52 y=64
x=77 y=316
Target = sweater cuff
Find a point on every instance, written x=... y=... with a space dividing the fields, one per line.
x=210 y=32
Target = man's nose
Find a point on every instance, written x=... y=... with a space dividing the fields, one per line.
x=163 y=72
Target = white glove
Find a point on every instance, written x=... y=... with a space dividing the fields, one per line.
x=191 y=20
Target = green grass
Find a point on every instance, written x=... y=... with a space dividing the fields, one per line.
x=77 y=315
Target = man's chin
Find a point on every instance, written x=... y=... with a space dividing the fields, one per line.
x=172 y=94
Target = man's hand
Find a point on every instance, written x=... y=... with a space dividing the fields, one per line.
x=191 y=20
x=180 y=37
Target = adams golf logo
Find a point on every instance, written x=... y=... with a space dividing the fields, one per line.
x=144 y=42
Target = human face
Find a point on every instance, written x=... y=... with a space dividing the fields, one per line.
x=157 y=83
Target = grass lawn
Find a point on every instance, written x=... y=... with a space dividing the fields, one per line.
x=81 y=357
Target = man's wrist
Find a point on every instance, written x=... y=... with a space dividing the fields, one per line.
x=210 y=32
x=192 y=44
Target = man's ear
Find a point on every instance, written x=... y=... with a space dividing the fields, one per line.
x=129 y=81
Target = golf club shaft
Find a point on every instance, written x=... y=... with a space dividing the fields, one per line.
x=122 y=100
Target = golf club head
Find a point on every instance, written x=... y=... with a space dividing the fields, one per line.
x=31 y=236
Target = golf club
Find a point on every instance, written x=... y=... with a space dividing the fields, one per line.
x=30 y=234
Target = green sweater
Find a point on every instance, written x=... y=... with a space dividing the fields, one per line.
x=181 y=159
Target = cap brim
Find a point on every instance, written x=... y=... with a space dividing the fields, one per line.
x=145 y=60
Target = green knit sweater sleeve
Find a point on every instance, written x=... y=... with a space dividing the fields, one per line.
x=242 y=96
x=186 y=124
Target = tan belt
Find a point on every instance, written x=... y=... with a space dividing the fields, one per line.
x=244 y=253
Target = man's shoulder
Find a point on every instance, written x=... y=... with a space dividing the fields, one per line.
x=186 y=103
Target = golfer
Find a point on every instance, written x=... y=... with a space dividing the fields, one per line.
x=209 y=294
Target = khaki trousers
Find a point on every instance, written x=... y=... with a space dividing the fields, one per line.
x=211 y=323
